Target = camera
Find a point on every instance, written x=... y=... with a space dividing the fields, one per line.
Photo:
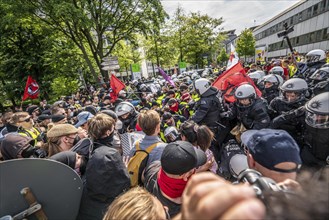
x=259 y=183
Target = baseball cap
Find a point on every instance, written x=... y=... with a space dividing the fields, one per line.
x=166 y=116
x=270 y=147
x=83 y=117
x=180 y=157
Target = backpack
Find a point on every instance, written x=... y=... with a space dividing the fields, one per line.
x=137 y=164
x=230 y=149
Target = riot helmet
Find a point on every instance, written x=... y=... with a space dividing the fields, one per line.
x=321 y=74
x=202 y=85
x=272 y=81
x=124 y=108
x=317 y=111
x=277 y=70
x=245 y=95
x=294 y=90
x=315 y=56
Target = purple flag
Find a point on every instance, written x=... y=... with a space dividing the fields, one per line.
x=166 y=77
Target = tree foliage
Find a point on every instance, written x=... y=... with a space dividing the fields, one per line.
x=29 y=47
x=223 y=56
x=197 y=35
x=246 y=43
x=98 y=25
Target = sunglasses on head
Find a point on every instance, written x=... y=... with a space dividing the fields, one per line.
x=27 y=119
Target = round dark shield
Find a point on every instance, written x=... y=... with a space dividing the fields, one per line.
x=27 y=185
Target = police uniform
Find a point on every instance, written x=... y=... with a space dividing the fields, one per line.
x=254 y=116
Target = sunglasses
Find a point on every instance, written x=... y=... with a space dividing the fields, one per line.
x=27 y=119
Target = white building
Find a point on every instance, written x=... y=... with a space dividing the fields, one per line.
x=310 y=19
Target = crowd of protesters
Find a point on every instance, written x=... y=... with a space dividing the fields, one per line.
x=197 y=143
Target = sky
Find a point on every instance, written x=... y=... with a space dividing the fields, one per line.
x=237 y=14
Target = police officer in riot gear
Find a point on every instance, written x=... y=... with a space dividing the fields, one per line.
x=272 y=82
x=315 y=59
x=314 y=141
x=293 y=96
x=207 y=112
x=320 y=80
x=128 y=116
x=250 y=110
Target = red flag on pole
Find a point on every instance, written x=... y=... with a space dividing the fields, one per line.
x=231 y=79
x=31 y=89
x=116 y=87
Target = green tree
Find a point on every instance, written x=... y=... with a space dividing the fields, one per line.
x=96 y=26
x=127 y=54
x=199 y=34
x=223 y=56
x=30 y=47
x=246 y=44
x=63 y=85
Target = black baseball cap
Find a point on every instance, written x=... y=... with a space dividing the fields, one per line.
x=180 y=157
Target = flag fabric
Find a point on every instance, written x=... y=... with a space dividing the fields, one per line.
x=31 y=89
x=166 y=77
x=116 y=86
x=234 y=58
x=231 y=79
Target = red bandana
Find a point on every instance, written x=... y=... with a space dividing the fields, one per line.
x=173 y=188
x=174 y=108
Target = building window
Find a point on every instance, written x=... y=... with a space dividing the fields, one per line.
x=312 y=37
x=325 y=34
x=297 y=40
x=309 y=13
x=315 y=9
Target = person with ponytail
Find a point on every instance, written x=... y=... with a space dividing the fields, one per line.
x=200 y=137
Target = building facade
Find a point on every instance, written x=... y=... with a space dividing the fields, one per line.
x=310 y=19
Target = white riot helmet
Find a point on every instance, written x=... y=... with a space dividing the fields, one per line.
x=277 y=70
x=321 y=74
x=195 y=76
x=122 y=94
x=295 y=85
x=202 y=85
x=255 y=76
x=134 y=82
x=315 y=56
x=276 y=80
x=317 y=114
x=124 y=108
x=245 y=91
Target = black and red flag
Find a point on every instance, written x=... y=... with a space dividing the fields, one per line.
x=231 y=79
x=31 y=89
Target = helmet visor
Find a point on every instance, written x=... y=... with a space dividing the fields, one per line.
x=319 y=75
x=312 y=58
x=317 y=120
x=171 y=137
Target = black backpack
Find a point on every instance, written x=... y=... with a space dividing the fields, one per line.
x=231 y=148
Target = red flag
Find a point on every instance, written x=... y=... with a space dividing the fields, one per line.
x=116 y=87
x=31 y=89
x=231 y=79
